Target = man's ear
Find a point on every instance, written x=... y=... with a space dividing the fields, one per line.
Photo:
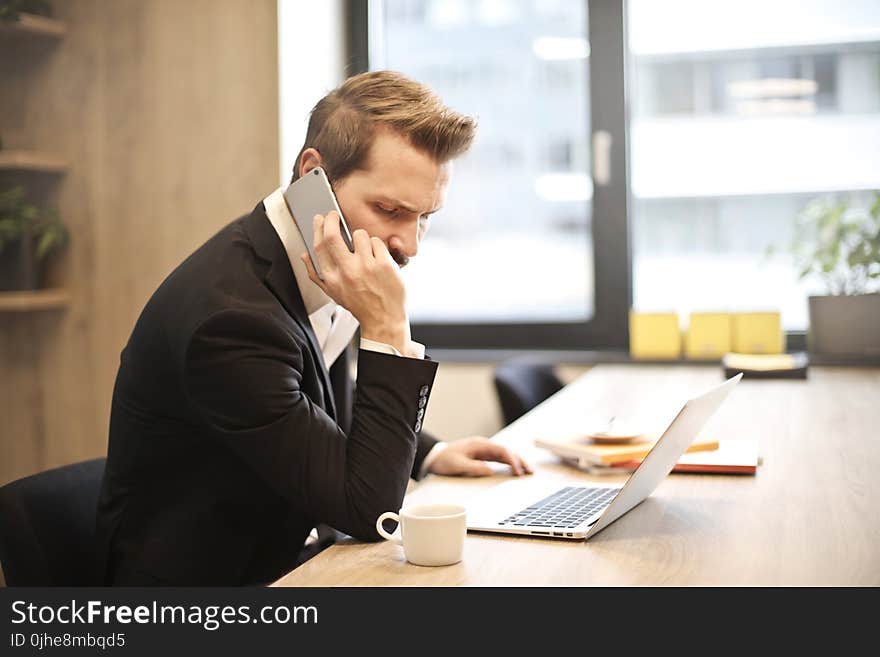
x=309 y=160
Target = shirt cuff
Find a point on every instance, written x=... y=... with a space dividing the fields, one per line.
x=413 y=350
x=430 y=456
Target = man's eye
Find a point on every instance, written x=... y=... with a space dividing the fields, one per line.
x=388 y=211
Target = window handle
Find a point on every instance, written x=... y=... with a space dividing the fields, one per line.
x=602 y=158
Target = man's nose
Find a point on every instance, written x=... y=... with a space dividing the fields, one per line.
x=407 y=240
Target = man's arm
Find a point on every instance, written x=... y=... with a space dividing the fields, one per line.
x=343 y=387
x=243 y=375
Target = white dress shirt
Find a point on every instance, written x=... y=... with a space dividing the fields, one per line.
x=334 y=326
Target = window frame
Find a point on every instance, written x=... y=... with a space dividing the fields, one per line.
x=608 y=328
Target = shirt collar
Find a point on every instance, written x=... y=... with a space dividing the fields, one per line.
x=290 y=236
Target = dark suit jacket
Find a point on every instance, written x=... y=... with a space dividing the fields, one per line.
x=229 y=438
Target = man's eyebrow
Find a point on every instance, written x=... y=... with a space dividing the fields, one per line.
x=404 y=205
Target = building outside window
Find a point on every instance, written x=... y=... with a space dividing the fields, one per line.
x=742 y=112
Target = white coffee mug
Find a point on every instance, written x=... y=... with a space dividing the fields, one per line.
x=433 y=534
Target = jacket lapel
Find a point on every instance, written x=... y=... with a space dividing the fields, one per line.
x=281 y=281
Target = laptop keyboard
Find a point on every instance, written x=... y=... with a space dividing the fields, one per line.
x=567 y=507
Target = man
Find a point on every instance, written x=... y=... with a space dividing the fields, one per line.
x=235 y=429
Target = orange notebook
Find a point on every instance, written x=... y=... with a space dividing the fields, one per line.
x=605 y=454
x=731 y=457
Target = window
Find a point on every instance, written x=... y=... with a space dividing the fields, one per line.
x=510 y=261
x=724 y=120
x=514 y=243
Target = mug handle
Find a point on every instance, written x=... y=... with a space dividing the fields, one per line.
x=388 y=515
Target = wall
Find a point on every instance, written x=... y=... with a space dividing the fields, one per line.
x=168 y=114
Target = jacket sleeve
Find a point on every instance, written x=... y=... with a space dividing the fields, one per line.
x=243 y=374
x=342 y=388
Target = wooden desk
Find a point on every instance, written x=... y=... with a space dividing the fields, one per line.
x=811 y=515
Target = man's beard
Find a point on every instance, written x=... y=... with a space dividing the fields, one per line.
x=400 y=258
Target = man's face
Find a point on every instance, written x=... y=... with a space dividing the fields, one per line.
x=394 y=195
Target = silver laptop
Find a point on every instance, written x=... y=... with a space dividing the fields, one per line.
x=537 y=507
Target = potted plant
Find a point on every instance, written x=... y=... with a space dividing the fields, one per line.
x=27 y=235
x=837 y=242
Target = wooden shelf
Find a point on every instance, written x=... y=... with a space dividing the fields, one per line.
x=15 y=160
x=32 y=300
x=32 y=25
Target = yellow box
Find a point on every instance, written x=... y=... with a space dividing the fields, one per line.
x=654 y=335
x=708 y=335
x=758 y=333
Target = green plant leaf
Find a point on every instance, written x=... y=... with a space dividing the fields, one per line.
x=18 y=218
x=838 y=241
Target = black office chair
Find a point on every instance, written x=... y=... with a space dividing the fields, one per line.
x=521 y=386
x=47 y=526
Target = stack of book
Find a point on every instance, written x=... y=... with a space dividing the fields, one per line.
x=766 y=366
x=712 y=456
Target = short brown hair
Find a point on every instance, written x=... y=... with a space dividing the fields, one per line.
x=343 y=123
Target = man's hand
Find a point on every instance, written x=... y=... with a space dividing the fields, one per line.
x=367 y=282
x=467 y=457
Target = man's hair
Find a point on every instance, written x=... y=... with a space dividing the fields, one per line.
x=343 y=124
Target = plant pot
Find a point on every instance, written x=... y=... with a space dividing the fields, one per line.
x=845 y=327
x=19 y=267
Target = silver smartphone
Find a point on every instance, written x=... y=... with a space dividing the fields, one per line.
x=307 y=196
